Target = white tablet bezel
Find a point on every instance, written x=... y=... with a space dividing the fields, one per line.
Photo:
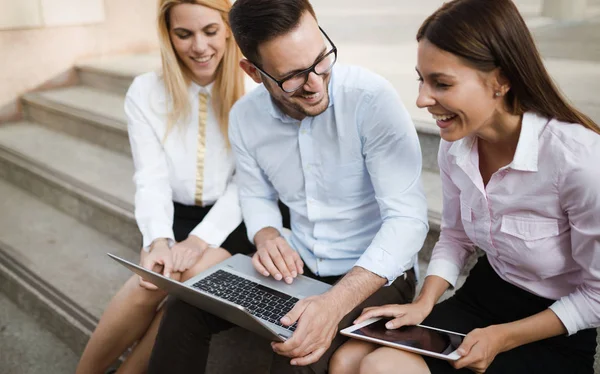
x=349 y=331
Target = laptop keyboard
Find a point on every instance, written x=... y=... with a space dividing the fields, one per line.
x=261 y=301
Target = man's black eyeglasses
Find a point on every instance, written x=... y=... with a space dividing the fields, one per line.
x=323 y=65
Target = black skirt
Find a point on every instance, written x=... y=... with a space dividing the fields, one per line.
x=186 y=218
x=486 y=299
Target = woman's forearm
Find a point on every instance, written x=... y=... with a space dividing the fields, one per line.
x=531 y=329
x=433 y=288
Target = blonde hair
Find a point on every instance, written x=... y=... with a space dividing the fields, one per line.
x=229 y=82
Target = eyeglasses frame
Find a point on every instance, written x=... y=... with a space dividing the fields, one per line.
x=306 y=71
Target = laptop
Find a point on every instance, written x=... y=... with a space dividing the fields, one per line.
x=236 y=292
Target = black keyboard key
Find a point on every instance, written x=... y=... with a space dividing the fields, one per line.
x=259 y=300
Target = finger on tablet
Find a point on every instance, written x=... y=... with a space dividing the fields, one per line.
x=396 y=323
x=371 y=313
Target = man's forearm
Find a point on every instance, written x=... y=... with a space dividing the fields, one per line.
x=354 y=288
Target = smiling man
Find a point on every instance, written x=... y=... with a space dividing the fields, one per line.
x=336 y=145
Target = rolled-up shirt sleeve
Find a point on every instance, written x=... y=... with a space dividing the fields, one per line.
x=258 y=198
x=579 y=187
x=393 y=159
x=452 y=250
x=224 y=217
x=153 y=194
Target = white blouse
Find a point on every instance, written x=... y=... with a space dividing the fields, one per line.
x=165 y=169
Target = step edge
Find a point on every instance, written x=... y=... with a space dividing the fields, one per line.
x=68 y=182
x=38 y=100
x=31 y=293
x=426 y=127
x=104 y=71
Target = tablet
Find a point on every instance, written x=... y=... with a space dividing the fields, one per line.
x=420 y=339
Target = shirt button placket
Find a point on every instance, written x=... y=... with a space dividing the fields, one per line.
x=305 y=142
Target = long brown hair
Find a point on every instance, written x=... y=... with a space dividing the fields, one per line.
x=229 y=82
x=490 y=34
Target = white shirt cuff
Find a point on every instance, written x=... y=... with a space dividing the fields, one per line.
x=259 y=222
x=565 y=311
x=380 y=262
x=210 y=233
x=170 y=243
x=154 y=232
x=444 y=269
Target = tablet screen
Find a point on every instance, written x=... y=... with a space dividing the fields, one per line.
x=413 y=336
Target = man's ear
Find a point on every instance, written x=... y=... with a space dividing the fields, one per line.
x=251 y=70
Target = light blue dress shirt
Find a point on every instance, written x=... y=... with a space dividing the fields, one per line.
x=350 y=176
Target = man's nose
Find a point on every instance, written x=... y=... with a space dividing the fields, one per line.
x=314 y=83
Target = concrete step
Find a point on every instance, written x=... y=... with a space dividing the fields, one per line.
x=54 y=267
x=391 y=12
x=115 y=73
x=91 y=114
x=86 y=181
x=433 y=192
x=28 y=347
x=572 y=40
x=56 y=270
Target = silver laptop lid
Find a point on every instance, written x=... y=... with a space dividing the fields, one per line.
x=239 y=266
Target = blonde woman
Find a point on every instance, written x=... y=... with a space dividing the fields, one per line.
x=186 y=204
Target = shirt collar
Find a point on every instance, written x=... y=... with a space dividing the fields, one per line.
x=280 y=115
x=196 y=89
x=462 y=147
x=526 y=155
x=277 y=113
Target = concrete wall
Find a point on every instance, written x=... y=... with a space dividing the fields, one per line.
x=43 y=57
x=40 y=13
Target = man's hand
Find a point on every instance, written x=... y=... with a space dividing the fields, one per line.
x=479 y=348
x=158 y=260
x=275 y=257
x=318 y=320
x=319 y=316
x=186 y=253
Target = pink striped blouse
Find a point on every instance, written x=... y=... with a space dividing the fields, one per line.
x=538 y=218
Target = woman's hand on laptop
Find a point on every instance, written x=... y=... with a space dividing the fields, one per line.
x=275 y=257
x=187 y=253
x=159 y=258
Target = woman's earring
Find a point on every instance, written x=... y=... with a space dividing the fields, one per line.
x=498 y=94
